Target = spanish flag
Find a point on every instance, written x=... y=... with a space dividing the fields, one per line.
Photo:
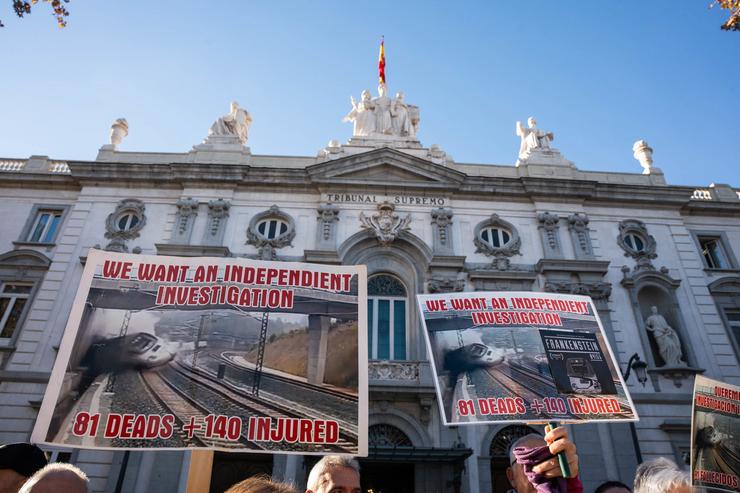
x=381 y=63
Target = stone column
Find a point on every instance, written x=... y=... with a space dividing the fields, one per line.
x=550 y=234
x=318 y=338
x=218 y=213
x=187 y=210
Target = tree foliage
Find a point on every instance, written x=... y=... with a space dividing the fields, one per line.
x=733 y=6
x=22 y=7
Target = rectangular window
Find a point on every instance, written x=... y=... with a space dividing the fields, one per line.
x=45 y=226
x=13 y=298
x=713 y=253
x=386 y=324
x=733 y=318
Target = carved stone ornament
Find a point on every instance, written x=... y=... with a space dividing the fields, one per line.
x=597 y=290
x=267 y=246
x=124 y=224
x=578 y=226
x=501 y=253
x=549 y=225
x=328 y=215
x=445 y=285
x=386 y=224
x=442 y=218
x=393 y=370
x=186 y=210
x=634 y=228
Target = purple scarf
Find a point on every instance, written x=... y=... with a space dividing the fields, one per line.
x=529 y=457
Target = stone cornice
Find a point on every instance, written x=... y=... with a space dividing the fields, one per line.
x=346 y=173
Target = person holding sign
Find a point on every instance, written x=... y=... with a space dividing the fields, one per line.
x=535 y=467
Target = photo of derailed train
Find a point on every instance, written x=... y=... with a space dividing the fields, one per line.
x=129 y=352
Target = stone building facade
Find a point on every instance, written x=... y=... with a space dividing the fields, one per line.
x=421 y=223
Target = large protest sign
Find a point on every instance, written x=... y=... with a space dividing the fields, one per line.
x=520 y=356
x=219 y=353
x=715 y=435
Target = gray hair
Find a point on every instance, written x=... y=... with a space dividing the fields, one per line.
x=55 y=467
x=328 y=463
x=659 y=475
x=521 y=442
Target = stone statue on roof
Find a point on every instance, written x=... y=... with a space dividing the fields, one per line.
x=236 y=123
x=532 y=137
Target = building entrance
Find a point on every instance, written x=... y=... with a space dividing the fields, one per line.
x=387 y=477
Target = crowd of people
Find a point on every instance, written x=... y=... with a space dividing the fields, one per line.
x=534 y=468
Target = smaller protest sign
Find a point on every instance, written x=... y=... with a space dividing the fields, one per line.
x=715 y=435
x=526 y=357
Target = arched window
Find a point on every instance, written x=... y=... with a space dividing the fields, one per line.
x=127 y=221
x=386 y=314
x=383 y=435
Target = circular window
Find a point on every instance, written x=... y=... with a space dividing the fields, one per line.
x=634 y=242
x=495 y=237
x=270 y=229
x=127 y=221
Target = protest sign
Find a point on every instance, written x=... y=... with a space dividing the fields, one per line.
x=217 y=353
x=522 y=356
x=715 y=435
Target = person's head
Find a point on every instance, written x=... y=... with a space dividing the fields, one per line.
x=381 y=89
x=57 y=477
x=515 y=471
x=531 y=122
x=654 y=310
x=234 y=106
x=366 y=95
x=261 y=484
x=334 y=474
x=399 y=96
x=613 y=487
x=661 y=476
x=18 y=462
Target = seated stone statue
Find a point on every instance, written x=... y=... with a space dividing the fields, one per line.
x=532 y=137
x=236 y=124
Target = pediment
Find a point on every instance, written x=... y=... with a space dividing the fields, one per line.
x=26 y=259
x=386 y=167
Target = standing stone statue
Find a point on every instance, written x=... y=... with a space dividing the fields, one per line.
x=383 y=122
x=400 y=116
x=666 y=338
x=362 y=115
x=236 y=124
x=532 y=137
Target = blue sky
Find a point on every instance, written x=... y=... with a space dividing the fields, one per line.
x=600 y=75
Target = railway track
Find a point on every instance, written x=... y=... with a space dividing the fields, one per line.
x=182 y=407
x=231 y=402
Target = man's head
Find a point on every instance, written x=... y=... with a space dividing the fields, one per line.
x=613 y=487
x=515 y=472
x=18 y=462
x=381 y=90
x=261 y=484
x=57 y=478
x=334 y=474
x=661 y=476
x=531 y=122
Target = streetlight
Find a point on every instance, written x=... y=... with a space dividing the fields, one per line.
x=640 y=367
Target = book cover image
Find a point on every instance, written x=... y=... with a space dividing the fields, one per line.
x=577 y=363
